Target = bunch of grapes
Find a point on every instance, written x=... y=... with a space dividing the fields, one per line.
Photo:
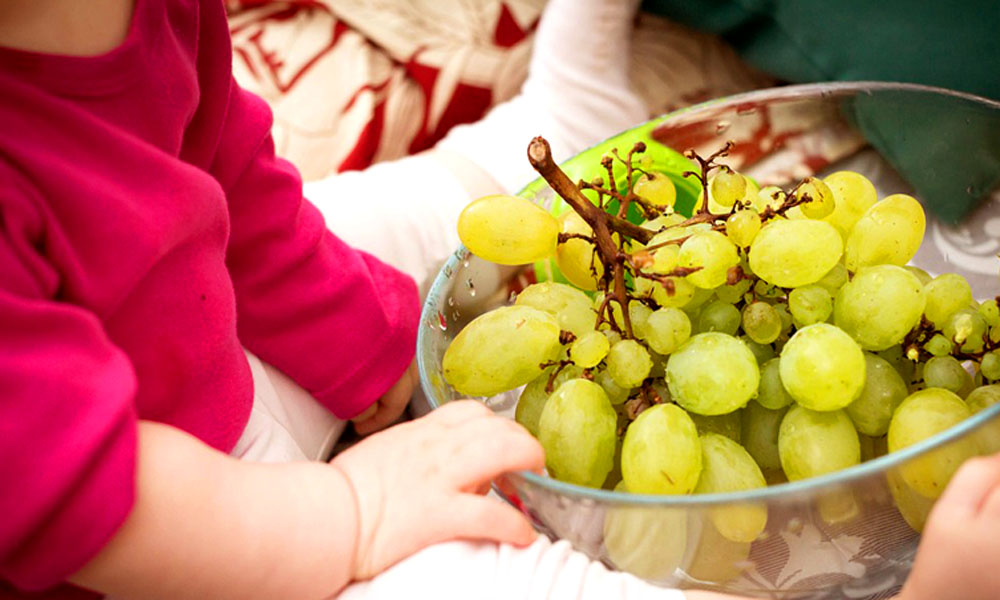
x=772 y=335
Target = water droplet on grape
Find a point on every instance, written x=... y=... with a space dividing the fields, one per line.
x=451 y=301
x=465 y=263
x=455 y=315
x=722 y=126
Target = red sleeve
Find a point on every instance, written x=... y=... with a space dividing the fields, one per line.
x=67 y=418
x=336 y=320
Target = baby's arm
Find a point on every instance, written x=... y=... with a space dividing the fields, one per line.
x=208 y=526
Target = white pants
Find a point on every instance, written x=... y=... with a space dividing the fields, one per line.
x=288 y=424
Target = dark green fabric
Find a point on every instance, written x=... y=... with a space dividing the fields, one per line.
x=951 y=44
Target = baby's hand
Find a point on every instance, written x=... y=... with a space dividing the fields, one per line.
x=959 y=553
x=421 y=482
x=390 y=406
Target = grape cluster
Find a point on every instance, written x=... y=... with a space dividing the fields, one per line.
x=772 y=335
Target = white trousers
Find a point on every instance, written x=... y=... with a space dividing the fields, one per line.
x=288 y=424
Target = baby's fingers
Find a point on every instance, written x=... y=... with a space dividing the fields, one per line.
x=968 y=491
x=490 y=447
x=485 y=518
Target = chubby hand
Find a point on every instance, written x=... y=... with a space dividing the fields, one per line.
x=960 y=548
x=422 y=482
x=384 y=411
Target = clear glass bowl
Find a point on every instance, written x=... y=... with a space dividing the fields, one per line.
x=849 y=534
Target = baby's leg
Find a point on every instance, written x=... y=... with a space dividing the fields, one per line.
x=544 y=570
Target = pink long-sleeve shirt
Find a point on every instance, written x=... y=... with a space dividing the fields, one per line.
x=147 y=232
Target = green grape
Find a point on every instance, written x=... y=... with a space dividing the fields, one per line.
x=728 y=424
x=983 y=397
x=531 y=402
x=663 y=221
x=743 y=226
x=759 y=434
x=699 y=298
x=879 y=306
x=667 y=329
x=661 y=453
x=822 y=367
x=872 y=447
x=576 y=258
x=613 y=311
x=921 y=274
x=913 y=507
x=786 y=317
x=887 y=233
x=716 y=558
x=967 y=328
x=820 y=202
x=501 y=350
x=727 y=187
x=683 y=291
x=713 y=253
x=761 y=322
x=897 y=358
x=719 y=316
x=795 y=253
x=571 y=307
x=947 y=373
x=813 y=443
x=733 y=293
x=638 y=314
x=508 y=230
x=771 y=196
x=946 y=294
x=589 y=349
x=764 y=289
x=762 y=352
x=616 y=394
x=772 y=394
x=921 y=415
x=577 y=430
x=883 y=391
x=990 y=312
x=646 y=541
x=938 y=345
x=712 y=374
x=656 y=189
x=834 y=279
x=989 y=366
x=665 y=259
x=854 y=194
x=628 y=363
x=727 y=467
x=810 y=304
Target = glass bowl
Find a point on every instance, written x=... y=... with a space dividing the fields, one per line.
x=848 y=534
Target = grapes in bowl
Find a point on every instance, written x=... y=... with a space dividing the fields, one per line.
x=756 y=337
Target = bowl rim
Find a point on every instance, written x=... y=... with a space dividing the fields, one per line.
x=787 y=490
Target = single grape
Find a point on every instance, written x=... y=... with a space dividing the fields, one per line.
x=813 y=443
x=646 y=541
x=913 y=507
x=761 y=322
x=772 y=394
x=727 y=467
x=733 y=293
x=616 y=394
x=967 y=328
x=883 y=391
x=982 y=397
x=729 y=424
x=762 y=352
x=501 y=350
x=818 y=200
x=921 y=415
x=938 y=345
x=680 y=294
x=531 y=402
x=577 y=430
x=771 y=197
x=946 y=294
x=571 y=307
x=879 y=306
x=663 y=221
x=789 y=253
x=667 y=329
x=727 y=187
x=921 y=274
x=743 y=226
x=577 y=258
x=508 y=230
x=589 y=349
x=887 y=233
x=989 y=366
x=712 y=374
x=661 y=453
x=854 y=194
x=834 y=279
x=896 y=357
x=713 y=254
x=628 y=363
x=810 y=304
x=947 y=373
x=638 y=314
x=716 y=558
x=719 y=316
x=822 y=367
x=665 y=259
x=759 y=434
x=656 y=189
x=990 y=312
